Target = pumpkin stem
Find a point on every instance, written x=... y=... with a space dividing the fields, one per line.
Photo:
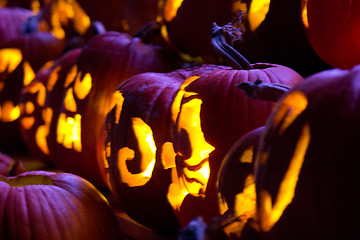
x=227 y=52
x=149 y=31
x=264 y=91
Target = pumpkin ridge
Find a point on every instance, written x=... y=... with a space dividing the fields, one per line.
x=49 y=200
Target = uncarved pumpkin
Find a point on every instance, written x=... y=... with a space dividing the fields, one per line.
x=45 y=205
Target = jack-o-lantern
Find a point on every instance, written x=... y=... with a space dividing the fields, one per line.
x=236 y=183
x=275 y=33
x=44 y=205
x=40 y=103
x=306 y=172
x=78 y=91
x=9 y=166
x=138 y=146
x=334 y=31
x=19 y=60
x=207 y=114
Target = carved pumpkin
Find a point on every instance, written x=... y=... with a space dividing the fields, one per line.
x=19 y=60
x=44 y=205
x=334 y=37
x=9 y=166
x=40 y=103
x=304 y=189
x=207 y=115
x=78 y=92
x=236 y=183
x=138 y=145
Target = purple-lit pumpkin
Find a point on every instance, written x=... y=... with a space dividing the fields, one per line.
x=306 y=169
x=68 y=126
x=12 y=21
x=166 y=146
x=45 y=205
x=223 y=114
x=236 y=184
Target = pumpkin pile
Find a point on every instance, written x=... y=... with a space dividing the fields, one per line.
x=199 y=119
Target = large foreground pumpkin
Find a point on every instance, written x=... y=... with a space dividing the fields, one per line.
x=306 y=169
x=168 y=133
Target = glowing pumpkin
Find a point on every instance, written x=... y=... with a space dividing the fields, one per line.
x=44 y=205
x=19 y=60
x=64 y=19
x=9 y=166
x=334 y=37
x=40 y=103
x=236 y=184
x=305 y=170
x=139 y=151
x=207 y=114
x=68 y=101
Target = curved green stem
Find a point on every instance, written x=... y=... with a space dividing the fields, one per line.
x=226 y=52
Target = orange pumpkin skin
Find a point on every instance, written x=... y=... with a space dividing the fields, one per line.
x=299 y=168
x=45 y=205
x=335 y=37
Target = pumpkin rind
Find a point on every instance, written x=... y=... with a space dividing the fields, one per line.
x=44 y=205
